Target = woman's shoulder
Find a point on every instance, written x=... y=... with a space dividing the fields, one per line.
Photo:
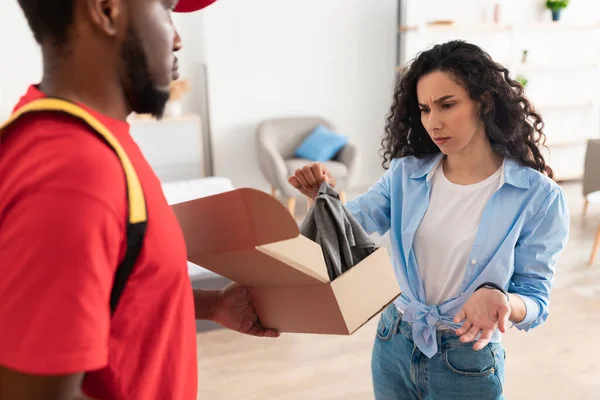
x=529 y=178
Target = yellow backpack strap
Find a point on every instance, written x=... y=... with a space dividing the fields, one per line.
x=137 y=213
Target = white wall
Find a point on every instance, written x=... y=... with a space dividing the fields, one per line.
x=21 y=63
x=272 y=58
x=265 y=58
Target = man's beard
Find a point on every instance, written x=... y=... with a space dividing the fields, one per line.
x=144 y=95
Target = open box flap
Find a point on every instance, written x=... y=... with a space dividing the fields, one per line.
x=234 y=220
x=223 y=230
x=300 y=253
x=378 y=285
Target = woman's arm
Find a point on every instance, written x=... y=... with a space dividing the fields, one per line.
x=372 y=210
x=518 y=308
x=542 y=240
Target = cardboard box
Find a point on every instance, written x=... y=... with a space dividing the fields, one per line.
x=249 y=237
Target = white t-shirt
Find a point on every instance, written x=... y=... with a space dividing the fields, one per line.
x=444 y=239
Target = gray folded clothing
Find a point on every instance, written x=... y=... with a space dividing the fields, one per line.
x=344 y=242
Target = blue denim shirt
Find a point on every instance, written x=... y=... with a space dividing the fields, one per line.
x=523 y=229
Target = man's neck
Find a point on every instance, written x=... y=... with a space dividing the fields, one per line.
x=80 y=81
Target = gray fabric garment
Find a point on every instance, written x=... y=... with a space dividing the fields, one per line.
x=344 y=242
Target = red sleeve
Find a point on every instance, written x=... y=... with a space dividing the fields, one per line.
x=58 y=253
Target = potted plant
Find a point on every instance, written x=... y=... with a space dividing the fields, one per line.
x=522 y=80
x=556 y=6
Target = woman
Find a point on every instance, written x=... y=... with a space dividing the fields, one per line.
x=476 y=225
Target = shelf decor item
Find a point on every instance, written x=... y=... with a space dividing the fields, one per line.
x=497 y=13
x=174 y=106
x=178 y=89
x=556 y=6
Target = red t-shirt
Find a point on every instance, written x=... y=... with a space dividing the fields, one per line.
x=63 y=216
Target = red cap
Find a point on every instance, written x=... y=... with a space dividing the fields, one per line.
x=185 y=6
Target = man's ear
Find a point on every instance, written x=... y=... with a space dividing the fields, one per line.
x=105 y=14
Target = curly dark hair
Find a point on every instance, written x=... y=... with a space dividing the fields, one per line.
x=513 y=126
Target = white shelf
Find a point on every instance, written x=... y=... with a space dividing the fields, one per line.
x=555 y=67
x=560 y=25
x=569 y=176
x=575 y=103
x=565 y=142
x=457 y=27
x=540 y=26
x=565 y=138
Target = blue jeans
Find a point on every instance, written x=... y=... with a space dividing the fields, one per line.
x=401 y=371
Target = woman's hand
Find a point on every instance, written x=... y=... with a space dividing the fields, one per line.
x=309 y=178
x=486 y=310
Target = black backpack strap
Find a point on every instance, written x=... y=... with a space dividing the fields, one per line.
x=135 y=240
x=137 y=214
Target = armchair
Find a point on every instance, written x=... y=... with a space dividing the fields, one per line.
x=277 y=140
x=591 y=185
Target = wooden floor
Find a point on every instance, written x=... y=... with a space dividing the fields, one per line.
x=558 y=360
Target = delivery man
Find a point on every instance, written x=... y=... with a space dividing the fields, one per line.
x=95 y=299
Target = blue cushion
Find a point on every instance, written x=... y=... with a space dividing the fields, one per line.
x=321 y=144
